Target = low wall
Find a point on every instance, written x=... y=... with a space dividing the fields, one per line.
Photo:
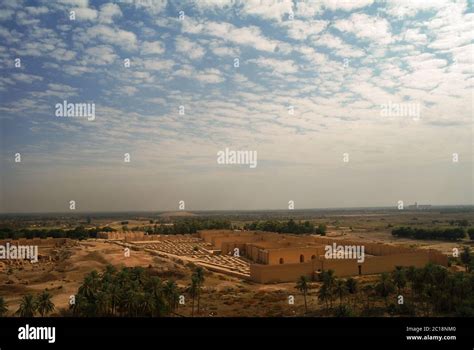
x=40 y=242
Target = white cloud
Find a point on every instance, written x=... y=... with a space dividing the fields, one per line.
x=302 y=30
x=189 y=48
x=100 y=55
x=305 y=9
x=6 y=14
x=26 y=78
x=219 y=48
x=338 y=45
x=108 y=12
x=346 y=5
x=403 y=8
x=278 y=66
x=414 y=36
x=158 y=65
x=210 y=76
x=112 y=35
x=40 y=10
x=76 y=3
x=152 y=6
x=270 y=9
x=364 y=26
x=152 y=48
x=248 y=36
x=85 y=13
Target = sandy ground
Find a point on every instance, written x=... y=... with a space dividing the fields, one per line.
x=222 y=295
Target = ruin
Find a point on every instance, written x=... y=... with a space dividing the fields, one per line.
x=267 y=257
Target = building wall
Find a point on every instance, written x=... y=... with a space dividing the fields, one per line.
x=130 y=236
x=369 y=248
x=40 y=242
x=293 y=255
x=372 y=265
x=282 y=273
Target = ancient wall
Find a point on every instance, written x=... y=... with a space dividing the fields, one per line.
x=257 y=254
x=369 y=247
x=343 y=267
x=294 y=255
x=40 y=242
x=282 y=273
x=229 y=248
x=129 y=236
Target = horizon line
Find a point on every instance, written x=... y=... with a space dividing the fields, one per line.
x=432 y=206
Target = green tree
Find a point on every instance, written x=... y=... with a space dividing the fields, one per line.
x=44 y=303
x=3 y=307
x=27 y=306
x=303 y=286
x=193 y=291
x=324 y=295
x=170 y=291
x=328 y=280
x=384 y=287
x=466 y=257
x=399 y=278
x=340 y=288
x=368 y=290
x=352 y=286
x=199 y=274
x=470 y=232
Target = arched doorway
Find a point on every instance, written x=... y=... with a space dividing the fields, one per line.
x=282 y=261
x=301 y=258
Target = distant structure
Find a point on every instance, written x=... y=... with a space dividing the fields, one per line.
x=127 y=236
x=269 y=257
x=284 y=258
x=417 y=206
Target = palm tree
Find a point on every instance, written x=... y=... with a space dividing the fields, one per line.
x=199 y=274
x=136 y=302
x=399 y=278
x=368 y=290
x=302 y=286
x=109 y=274
x=80 y=303
x=102 y=303
x=324 y=295
x=3 y=307
x=193 y=290
x=148 y=304
x=328 y=277
x=156 y=290
x=352 y=286
x=171 y=293
x=341 y=289
x=155 y=286
x=411 y=273
x=328 y=281
x=27 y=306
x=466 y=257
x=138 y=274
x=89 y=285
x=385 y=287
x=44 y=303
x=114 y=296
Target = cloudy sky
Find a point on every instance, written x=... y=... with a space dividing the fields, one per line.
x=299 y=82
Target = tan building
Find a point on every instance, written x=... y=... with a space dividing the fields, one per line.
x=284 y=258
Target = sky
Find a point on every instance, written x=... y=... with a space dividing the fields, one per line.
x=357 y=103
